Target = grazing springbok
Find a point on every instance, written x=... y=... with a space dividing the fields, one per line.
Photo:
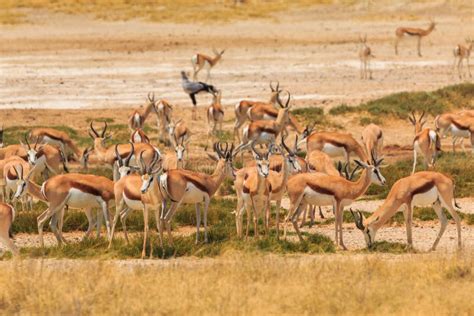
x=164 y=111
x=138 y=117
x=450 y=123
x=265 y=132
x=372 y=138
x=215 y=116
x=365 y=55
x=192 y=88
x=139 y=136
x=420 y=189
x=46 y=159
x=7 y=216
x=200 y=61
x=189 y=187
x=415 y=32
x=426 y=142
x=74 y=190
x=254 y=192
x=55 y=137
x=321 y=189
x=335 y=144
x=462 y=52
x=107 y=155
x=241 y=109
x=129 y=196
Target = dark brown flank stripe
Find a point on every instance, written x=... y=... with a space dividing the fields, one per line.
x=336 y=143
x=85 y=188
x=11 y=175
x=410 y=33
x=270 y=113
x=424 y=188
x=198 y=184
x=319 y=189
x=246 y=190
x=379 y=135
x=53 y=137
x=267 y=130
x=460 y=126
x=131 y=195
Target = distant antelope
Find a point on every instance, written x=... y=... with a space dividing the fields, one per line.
x=164 y=111
x=365 y=55
x=426 y=141
x=372 y=138
x=200 y=61
x=139 y=136
x=460 y=53
x=453 y=123
x=416 y=32
x=179 y=135
x=241 y=109
x=138 y=117
x=7 y=216
x=215 y=115
x=420 y=189
x=56 y=138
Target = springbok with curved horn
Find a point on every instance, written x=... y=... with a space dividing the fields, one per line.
x=188 y=187
x=322 y=190
x=462 y=52
x=46 y=159
x=7 y=216
x=138 y=117
x=107 y=155
x=365 y=55
x=75 y=190
x=420 y=189
x=372 y=138
x=426 y=142
x=200 y=61
x=139 y=136
x=265 y=132
x=414 y=32
x=242 y=108
x=55 y=137
x=215 y=115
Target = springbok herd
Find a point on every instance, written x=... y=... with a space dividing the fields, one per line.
x=146 y=179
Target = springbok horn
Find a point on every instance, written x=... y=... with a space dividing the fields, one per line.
x=27 y=142
x=105 y=129
x=93 y=129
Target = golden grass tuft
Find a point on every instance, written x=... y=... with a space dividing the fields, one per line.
x=242 y=284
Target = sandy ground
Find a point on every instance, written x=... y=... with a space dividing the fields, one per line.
x=79 y=68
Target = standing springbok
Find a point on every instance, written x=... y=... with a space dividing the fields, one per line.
x=164 y=111
x=7 y=216
x=420 y=189
x=265 y=132
x=200 y=61
x=321 y=189
x=454 y=123
x=11 y=181
x=107 y=154
x=46 y=159
x=411 y=31
x=188 y=187
x=372 y=138
x=139 y=136
x=365 y=55
x=215 y=115
x=460 y=53
x=241 y=109
x=54 y=137
x=74 y=190
x=179 y=135
x=138 y=117
x=426 y=142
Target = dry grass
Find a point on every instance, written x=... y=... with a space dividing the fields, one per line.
x=242 y=284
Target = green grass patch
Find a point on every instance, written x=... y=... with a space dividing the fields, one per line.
x=366 y=120
x=342 y=109
x=389 y=247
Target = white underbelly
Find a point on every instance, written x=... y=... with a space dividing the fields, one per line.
x=267 y=117
x=426 y=198
x=51 y=141
x=315 y=198
x=266 y=137
x=333 y=151
x=193 y=195
x=133 y=204
x=456 y=132
x=137 y=138
x=79 y=199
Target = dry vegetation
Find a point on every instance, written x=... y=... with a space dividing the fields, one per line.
x=243 y=284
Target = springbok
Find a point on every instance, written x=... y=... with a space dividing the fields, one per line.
x=55 y=137
x=415 y=32
x=3 y=162
x=215 y=115
x=420 y=189
x=74 y=190
x=107 y=154
x=450 y=123
x=200 y=61
x=241 y=109
x=139 y=136
x=164 y=111
x=12 y=178
x=372 y=138
x=138 y=117
x=460 y=53
x=13 y=150
x=188 y=187
x=365 y=55
x=321 y=189
x=426 y=142
x=7 y=216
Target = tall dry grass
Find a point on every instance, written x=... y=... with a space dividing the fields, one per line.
x=242 y=284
